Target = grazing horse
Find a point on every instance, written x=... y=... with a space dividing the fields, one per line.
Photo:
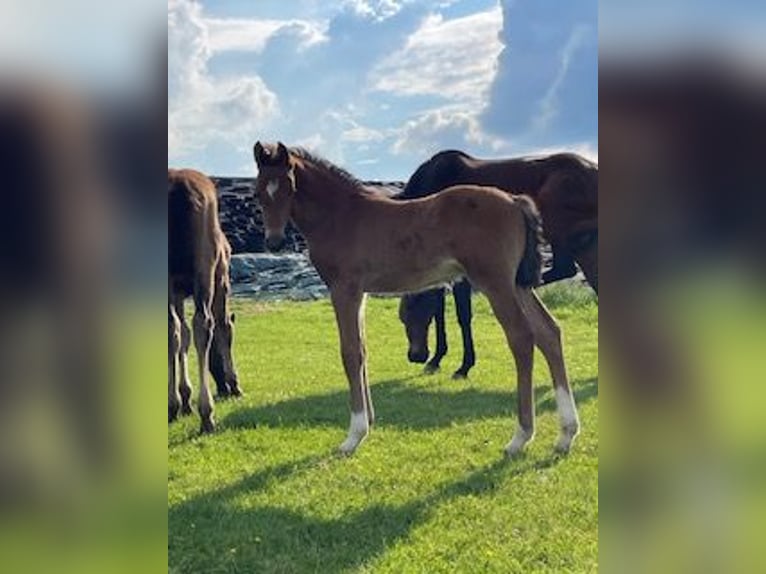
x=198 y=265
x=362 y=242
x=565 y=188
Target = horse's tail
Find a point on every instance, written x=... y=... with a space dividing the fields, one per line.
x=180 y=233
x=530 y=268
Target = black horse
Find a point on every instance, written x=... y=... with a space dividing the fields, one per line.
x=565 y=188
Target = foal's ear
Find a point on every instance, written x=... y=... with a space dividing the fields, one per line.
x=282 y=156
x=258 y=152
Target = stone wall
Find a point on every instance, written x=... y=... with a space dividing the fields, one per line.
x=242 y=219
x=255 y=273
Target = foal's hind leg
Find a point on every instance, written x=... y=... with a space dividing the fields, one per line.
x=365 y=379
x=203 y=336
x=184 y=383
x=174 y=345
x=518 y=333
x=548 y=338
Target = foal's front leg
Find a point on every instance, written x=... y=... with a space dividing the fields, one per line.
x=349 y=309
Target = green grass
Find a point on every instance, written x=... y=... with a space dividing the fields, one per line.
x=428 y=491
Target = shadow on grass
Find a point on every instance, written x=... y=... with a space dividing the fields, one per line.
x=401 y=405
x=212 y=533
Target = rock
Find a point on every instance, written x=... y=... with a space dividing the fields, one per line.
x=255 y=273
x=275 y=276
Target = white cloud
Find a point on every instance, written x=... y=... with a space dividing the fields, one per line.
x=549 y=105
x=314 y=142
x=588 y=150
x=203 y=109
x=453 y=59
x=250 y=35
x=361 y=134
x=375 y=9
x=444 y=127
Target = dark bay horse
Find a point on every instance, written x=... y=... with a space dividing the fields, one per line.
x=361 y=242
x=198 y=267
x=565 y=189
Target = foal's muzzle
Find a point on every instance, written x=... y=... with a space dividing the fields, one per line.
x=275 y=242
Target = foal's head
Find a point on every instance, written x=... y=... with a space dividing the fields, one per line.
x=275 y=187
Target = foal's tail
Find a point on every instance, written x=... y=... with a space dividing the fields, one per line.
x=530 y=268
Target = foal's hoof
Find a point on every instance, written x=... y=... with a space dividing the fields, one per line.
x=172 y=413
x=349 y=446
x=236 y=392
x=207 y=426
x=517 y=444
x=566 y=438
x=186 y=410
x=459 y=375
x=430 y=369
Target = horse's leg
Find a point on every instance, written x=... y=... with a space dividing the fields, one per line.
x=174 y=345
x=203 y=335
x=505 y=304
x=349 y=309
x=563 y=265
x=222 y=337
x=183 y=356
x=547 y=335
x=462 y=294
x=441 y=334
x=587 y=259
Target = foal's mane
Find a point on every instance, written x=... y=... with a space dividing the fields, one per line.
x=346 y=176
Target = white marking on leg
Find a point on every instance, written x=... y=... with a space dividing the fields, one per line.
x=519 y=440
x=357 y=432
x=272 y=187
x=570 y=424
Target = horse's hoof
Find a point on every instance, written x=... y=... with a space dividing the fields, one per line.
x=430 y=369
x=172 y=414
x=207 y=426
x=236 y=392
x=186 y=410
x=458 y=375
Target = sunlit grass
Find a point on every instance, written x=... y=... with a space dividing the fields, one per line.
x=429 y=491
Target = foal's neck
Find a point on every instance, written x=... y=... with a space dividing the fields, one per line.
x=320 y=197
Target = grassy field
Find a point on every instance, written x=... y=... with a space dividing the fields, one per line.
x=429 y=491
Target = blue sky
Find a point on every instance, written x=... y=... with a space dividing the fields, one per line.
x=380 y=85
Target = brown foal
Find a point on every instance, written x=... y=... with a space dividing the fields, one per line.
x=361 y=242
x=198 y=266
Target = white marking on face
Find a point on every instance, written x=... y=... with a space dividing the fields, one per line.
x=272 y=187
x=566 y=407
